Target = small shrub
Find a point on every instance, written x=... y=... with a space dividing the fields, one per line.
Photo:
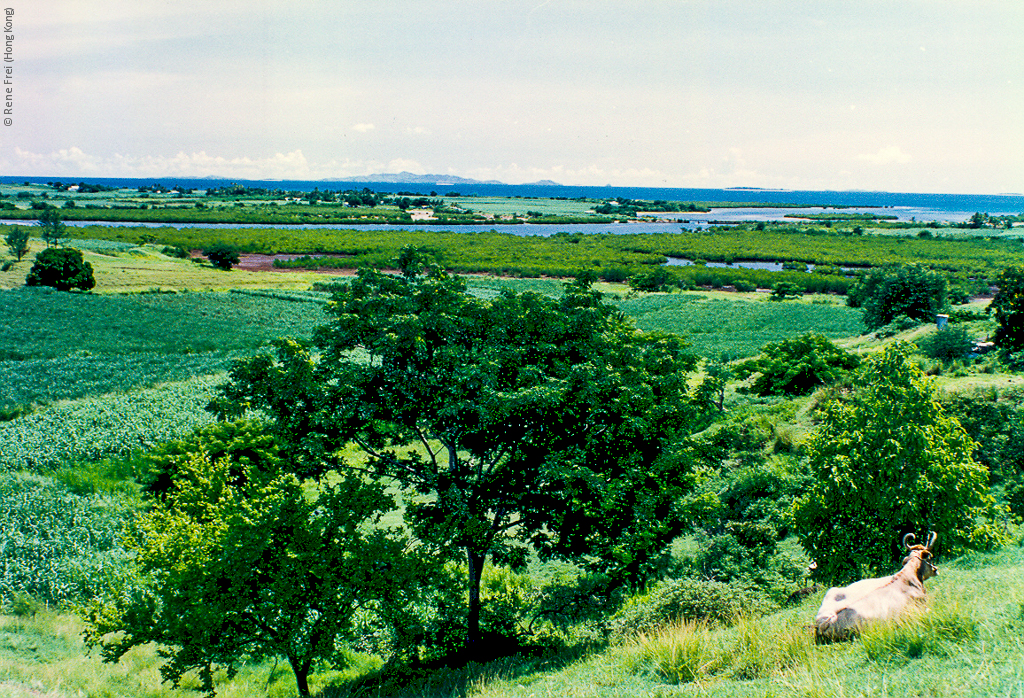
x=176 y=251
x=222 y=256
x=947 y=345
x=797 y=366
x=785 y=290
x=688 y=599
x=901 y=324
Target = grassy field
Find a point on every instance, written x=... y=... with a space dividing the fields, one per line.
x=967 y=644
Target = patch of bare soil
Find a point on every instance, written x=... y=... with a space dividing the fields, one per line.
x=265 y=262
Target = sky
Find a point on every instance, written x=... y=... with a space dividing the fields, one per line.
x=902 y=96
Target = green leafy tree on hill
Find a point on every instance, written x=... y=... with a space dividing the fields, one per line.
x=1008 y=306
x=53 y=228
x=898 y=290
x=222 y=256
x=886 y=462
x=236 y=563
x=518 y=423
x=17 y=241
x=64 y=269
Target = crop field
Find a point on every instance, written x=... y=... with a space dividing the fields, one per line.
x=717 y=327
x=136 y=267
x=42 y=323
x=115 y=424
x=37 y=382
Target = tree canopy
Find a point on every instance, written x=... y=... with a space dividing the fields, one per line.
x=64 y=269
x=53 y=228
x=235 y=562
x=885 y=462
x=892 y=291
x=1008 y=306
x=17 y=241
x=515 y=423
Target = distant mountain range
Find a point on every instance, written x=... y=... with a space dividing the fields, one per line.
x=440 y=180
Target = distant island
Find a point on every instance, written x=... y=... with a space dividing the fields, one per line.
x=440 y=180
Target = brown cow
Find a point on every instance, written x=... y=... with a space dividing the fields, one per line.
x=845 y=609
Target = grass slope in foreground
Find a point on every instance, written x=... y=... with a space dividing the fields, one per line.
x=968 y=644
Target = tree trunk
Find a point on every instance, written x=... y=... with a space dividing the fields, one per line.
x=301 y=675
x=476 y=570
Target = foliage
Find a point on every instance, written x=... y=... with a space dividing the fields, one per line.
x=63 y=269
x=222 y=256
x=52 y=225
x=111 y=425
x=996 y=425
x=886 y=462
x=58 y=547
x=17 y=241
x=1008 y=306
x=785 y=290
x=949 y=344
x=906 y=289
x=651 y=280
x=233 y=568
x=539 y=422
x=246 y=446
x=797 y=366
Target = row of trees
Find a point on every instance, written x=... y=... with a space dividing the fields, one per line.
x=518 y=426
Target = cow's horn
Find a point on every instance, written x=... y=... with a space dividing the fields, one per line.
x=907 y=539
x=932 y=535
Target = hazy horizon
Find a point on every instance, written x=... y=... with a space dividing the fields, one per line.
x=921 y=97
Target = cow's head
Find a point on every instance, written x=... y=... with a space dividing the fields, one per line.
x=923 y=552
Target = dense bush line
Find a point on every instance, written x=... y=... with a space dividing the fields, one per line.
x=612 y=257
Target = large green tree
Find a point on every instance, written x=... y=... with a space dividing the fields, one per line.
x=515 y=423
x=892 y=291
x=887 y=461
x=235 y=563
x=64 y=269
x=1008 y=306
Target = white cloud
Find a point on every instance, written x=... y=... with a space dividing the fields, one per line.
x=886 y=156
x=363 y=128
x=74 y=162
